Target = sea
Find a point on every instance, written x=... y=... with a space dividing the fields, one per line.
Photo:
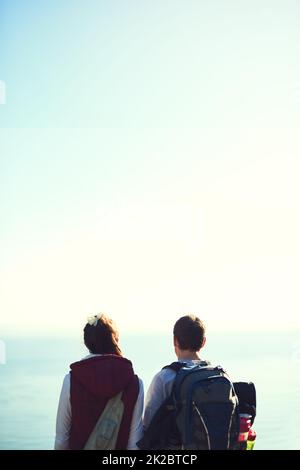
x=32 y=371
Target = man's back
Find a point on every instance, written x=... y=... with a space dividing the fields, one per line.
x=188 y=339
x=191 y=405
x=160 y=389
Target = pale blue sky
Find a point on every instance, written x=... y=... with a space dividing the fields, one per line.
x=150 y=63
x=149 y=163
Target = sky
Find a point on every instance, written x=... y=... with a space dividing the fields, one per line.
x=149 y=164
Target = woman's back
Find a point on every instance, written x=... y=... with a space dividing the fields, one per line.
x=92 y=382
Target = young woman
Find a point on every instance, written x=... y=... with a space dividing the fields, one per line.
x=92 y=382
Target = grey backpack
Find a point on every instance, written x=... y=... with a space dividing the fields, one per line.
x=206 y=407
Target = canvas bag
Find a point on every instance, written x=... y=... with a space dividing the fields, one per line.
x=105 y=433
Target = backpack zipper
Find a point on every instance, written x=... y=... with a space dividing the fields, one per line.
x=204 y=425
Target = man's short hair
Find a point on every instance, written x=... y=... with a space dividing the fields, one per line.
x=189 y=332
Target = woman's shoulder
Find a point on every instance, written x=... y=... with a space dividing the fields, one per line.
x=66 y=380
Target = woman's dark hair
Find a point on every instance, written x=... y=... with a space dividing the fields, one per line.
x=189 y=332
x=102 y=338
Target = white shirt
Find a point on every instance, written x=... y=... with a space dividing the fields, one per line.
x=64 y=416
x=160 y=389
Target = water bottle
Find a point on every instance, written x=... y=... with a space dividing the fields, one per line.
x=251 y=439
x=245 y=425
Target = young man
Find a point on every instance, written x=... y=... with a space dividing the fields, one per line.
x=189 y=338
x=203 y=410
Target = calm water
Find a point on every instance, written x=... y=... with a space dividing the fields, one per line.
x=30 y=381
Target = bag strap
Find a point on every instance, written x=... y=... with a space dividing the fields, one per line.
x=105 y=432
x=176 y=366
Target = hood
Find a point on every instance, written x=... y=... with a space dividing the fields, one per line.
x=103 y=376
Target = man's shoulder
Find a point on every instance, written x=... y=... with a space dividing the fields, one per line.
x=164 y=375
x=171 y=369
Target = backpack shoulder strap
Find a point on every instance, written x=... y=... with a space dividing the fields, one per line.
x=175 y=366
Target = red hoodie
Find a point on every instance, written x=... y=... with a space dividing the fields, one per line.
x=93 y=382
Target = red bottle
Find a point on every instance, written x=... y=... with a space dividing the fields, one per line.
x=245 y=425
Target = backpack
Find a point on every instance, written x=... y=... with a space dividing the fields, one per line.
x=105 y=433
x=201 y=413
